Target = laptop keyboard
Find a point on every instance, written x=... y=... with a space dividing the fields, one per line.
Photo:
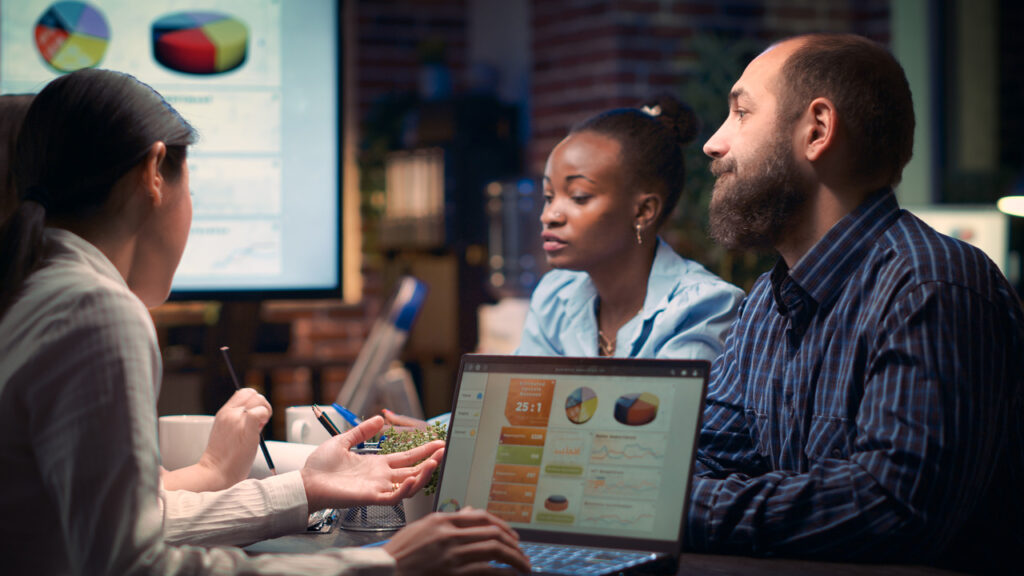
x=558 y=559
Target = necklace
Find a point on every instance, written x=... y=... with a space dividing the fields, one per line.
x=606 y=345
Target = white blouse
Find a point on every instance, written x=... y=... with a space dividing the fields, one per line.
x=79 y=465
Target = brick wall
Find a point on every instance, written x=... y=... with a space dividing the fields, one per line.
x=393 y=36
x=591 y=55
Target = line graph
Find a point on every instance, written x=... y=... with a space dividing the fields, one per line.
x=631 y=483
x=221 y=247
x=638 y=516
x=631 y=449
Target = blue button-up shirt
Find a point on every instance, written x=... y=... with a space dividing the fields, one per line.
x=687 y=313
x=868 y=404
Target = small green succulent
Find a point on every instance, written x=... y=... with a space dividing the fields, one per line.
x=401 y=440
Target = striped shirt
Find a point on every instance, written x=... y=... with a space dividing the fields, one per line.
x=868 y=405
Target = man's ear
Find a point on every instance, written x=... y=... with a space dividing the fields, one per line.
x=648 y=209
x=152 y=179
x=820 y=124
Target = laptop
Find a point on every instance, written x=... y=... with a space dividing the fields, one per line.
x=589 y=459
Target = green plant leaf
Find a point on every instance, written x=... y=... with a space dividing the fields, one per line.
x=400 y=441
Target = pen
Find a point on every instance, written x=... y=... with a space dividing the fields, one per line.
x=326 y=421
x=347 y=414
x=234 y=378
x=351 y=418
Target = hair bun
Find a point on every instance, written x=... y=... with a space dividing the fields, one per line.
x=674 y=114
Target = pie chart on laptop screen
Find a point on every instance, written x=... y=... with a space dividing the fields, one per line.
x=581 y=405
x=200 y=42
x=636 y=409
x=71 y=36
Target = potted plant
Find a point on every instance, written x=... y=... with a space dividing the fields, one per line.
x=399 y=440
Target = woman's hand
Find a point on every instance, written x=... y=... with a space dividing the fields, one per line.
x=401 y=422
x=463 y=542
x=236 y=436
x=336 y=477
x=231 y=449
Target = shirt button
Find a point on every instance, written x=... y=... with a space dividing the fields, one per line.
x=836 y=452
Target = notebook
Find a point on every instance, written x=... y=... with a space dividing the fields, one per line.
x=589 y=459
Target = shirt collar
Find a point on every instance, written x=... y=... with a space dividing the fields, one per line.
x=580 y=297
x=663 y=278
x=61 y=240
x=826 y=266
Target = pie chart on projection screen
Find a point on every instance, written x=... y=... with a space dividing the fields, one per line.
x=71 y=36
x=200 y=42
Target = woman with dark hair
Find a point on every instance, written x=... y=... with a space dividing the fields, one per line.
x=101 y=225
x=12 y=112
x=617 y=288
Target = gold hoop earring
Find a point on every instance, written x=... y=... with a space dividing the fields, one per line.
x=639 y=238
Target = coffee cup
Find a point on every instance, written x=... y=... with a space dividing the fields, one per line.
x=303 y=427
x=183 y=439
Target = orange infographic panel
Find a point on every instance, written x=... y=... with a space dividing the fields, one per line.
x=522 y=436
x=513 y=493
x=515 y=473
x=509 y=511
x=529 y=402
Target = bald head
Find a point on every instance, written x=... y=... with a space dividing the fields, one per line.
x=868 y=88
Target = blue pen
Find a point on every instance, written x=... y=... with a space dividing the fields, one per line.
x=349 y=417
x=347 y=414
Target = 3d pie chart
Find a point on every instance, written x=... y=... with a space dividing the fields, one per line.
x=556 y=503
x=636 y=409
x=580 y=405
x=200 y=42
x=71 y=36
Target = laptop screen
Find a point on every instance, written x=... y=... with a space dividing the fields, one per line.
x=574 y=450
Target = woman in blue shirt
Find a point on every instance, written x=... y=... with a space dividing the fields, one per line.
x=617 y=289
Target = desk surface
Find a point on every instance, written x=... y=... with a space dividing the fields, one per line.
x=704 y=564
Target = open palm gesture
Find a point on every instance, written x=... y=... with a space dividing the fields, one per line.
x=337 y=477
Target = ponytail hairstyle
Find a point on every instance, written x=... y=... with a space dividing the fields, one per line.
x=81 y=134
x=652 y=138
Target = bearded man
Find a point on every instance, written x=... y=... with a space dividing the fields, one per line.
x=868 y=405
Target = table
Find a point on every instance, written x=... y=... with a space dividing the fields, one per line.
x=689 y=563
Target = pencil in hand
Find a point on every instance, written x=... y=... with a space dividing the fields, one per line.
x=234 y=378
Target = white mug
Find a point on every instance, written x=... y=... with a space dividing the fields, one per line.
x=303 y=427
x=183 y=439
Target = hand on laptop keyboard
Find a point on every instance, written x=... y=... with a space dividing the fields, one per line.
x=557 y=559
x=464 y=542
